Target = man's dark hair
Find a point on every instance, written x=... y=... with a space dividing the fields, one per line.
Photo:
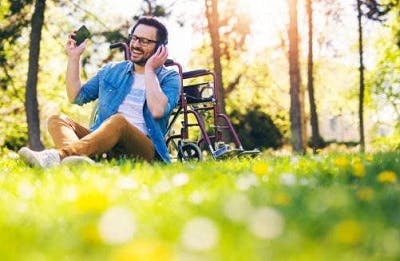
x=162 y=33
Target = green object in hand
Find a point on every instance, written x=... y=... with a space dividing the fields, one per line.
x=81 y=35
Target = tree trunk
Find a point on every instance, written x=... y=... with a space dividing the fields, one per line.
x=31 y=102
x=316 y=140
x=362 y=86
x=213 y=28
x=296 y=103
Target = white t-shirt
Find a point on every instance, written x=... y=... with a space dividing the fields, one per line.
x=132 y=106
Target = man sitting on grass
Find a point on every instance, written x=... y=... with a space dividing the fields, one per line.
x=135 y=100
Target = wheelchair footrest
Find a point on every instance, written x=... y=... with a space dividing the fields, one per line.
x=229 y=153
x=225 y=151
x=249 y=153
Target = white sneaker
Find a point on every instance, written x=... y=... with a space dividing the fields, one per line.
x=73 y=160
x=42 y=159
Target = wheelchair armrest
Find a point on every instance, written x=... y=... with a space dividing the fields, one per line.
x=191 y=99
x=195 y=73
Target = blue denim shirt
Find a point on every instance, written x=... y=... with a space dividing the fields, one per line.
x=112 y=84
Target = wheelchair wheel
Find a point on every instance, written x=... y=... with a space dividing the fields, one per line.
x=189 y=152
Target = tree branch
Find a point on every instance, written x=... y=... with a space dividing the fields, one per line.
x=232 y=85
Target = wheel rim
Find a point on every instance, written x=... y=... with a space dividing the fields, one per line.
x=189 y=152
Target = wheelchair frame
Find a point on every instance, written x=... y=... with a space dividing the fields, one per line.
x=192 y=103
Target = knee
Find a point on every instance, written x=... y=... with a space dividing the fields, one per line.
x=116 y=122
x=54 y=121
x=118 y=119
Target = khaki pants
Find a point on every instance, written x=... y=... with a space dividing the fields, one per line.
x=115 y=135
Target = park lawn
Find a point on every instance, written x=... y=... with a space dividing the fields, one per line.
x=325 y=207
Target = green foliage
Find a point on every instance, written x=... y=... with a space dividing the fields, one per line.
x=256 y=129
x=378 y=9
x=152 y=8
x=387 y=143
x=14 y=17
x=14 y=134
x=385 y=77
x=327 y=207
x=13 y=127
x=13 y=70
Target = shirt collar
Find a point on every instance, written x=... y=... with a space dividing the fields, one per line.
x=130 y=68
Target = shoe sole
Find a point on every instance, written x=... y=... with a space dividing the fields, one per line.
x=74 y=160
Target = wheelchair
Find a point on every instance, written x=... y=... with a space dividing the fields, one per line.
x=203 y=130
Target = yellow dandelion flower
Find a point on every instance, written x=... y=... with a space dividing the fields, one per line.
x=369 y=158
x=358 y=170
x=260 y=168
x=91 y=201
x=365 y=194
x=387 y=176
x=348 y=232
x=150 y=250
x=341 y=161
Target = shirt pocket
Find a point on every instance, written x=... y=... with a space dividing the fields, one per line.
x=108 y=96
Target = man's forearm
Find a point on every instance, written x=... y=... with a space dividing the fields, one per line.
x=73 y=80
x=156 y=99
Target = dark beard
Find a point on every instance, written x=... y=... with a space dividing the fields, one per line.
x=141 y=62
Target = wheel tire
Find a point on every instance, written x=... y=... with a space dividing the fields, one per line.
x=190 y=152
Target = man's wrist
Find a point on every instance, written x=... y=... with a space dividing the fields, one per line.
x=74 y=58
x=149 y=69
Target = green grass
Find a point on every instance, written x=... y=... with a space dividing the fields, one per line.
x=328 y=207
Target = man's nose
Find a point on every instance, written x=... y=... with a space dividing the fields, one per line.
x=135 y=43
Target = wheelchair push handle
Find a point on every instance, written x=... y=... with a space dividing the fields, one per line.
x=124 y=46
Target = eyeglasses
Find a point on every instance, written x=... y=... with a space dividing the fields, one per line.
x=142 y=41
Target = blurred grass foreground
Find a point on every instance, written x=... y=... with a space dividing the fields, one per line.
x=328 y=207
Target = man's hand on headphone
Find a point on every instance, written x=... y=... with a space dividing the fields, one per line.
x=158 y=58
